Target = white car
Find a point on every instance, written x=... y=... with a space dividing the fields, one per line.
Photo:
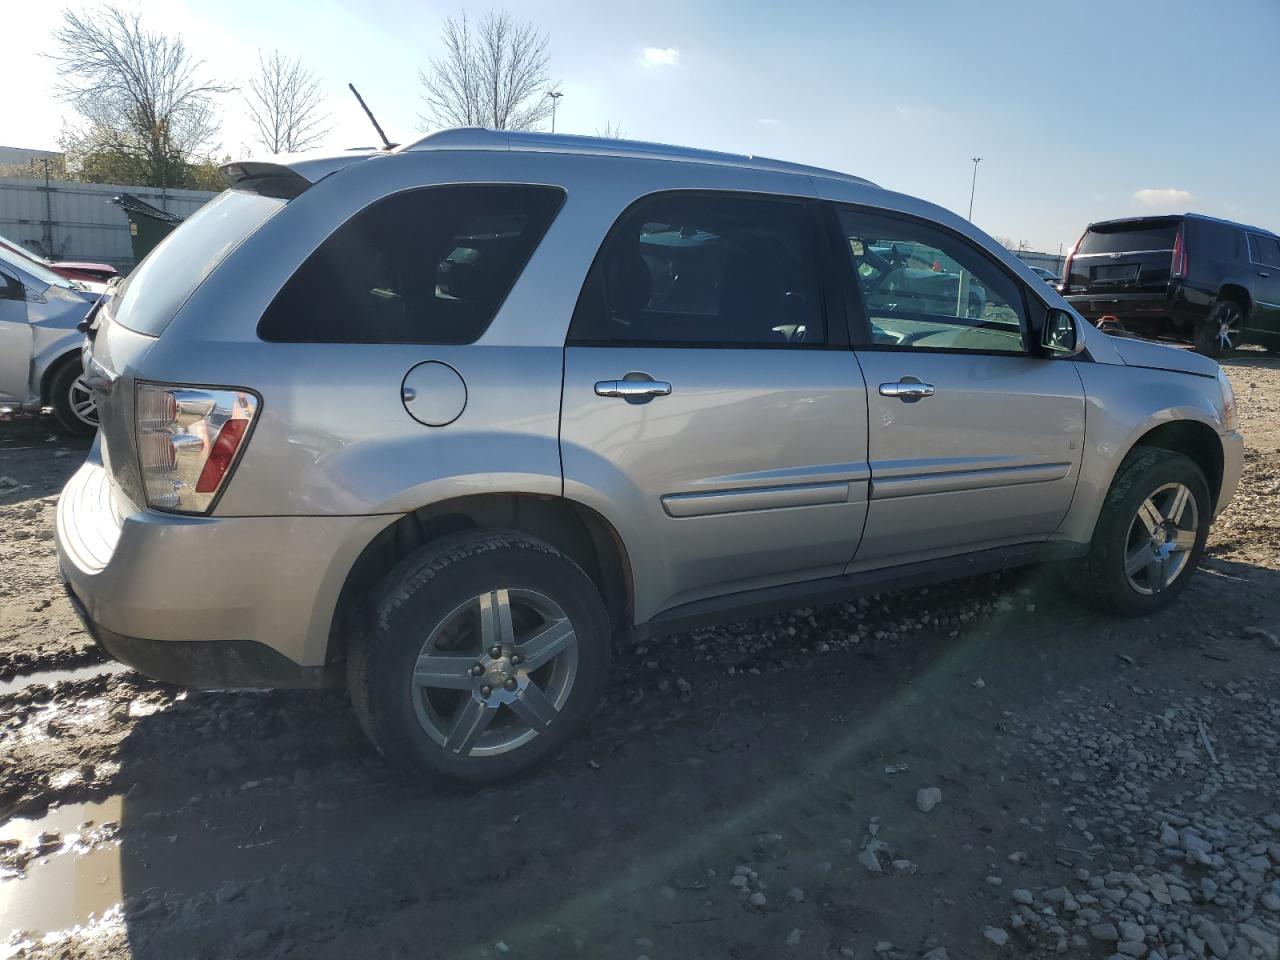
x=39 y=342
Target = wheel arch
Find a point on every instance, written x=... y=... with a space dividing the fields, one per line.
x=51 y=370
x=1195 y=440
x=1237 y=293
x=571 y=527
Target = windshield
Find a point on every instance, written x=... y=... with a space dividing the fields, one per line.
x=1129 y=238
x=34 y=269
x=170 y=273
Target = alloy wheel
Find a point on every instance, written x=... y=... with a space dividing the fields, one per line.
x=80 y=400
x=495 y=673
x=1230 y=321
x=1161 y=536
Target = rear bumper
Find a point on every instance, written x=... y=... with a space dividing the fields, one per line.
x=207 y=601
x=1172 y=314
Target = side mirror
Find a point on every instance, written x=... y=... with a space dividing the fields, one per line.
x=1061 y=336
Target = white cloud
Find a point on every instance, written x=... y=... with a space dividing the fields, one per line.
x=767 y=121
x=1162 y=197
x=659 y=57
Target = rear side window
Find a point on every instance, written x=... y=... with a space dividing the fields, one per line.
x=705 y=270
x=425 y=266
x=1264 y=250
x=1129 y=238
x=170 y=273
x=1214 y=239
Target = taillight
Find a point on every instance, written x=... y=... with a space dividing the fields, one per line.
x=188 y=442
x=1179 y=266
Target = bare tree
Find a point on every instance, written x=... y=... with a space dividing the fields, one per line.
x=141 y=94
x=284 y=101
x=493 y=76
x=610 y=131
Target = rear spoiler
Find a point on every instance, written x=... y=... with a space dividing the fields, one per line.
x=288 y=175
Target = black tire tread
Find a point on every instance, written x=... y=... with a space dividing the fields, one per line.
x=406 y=580
x=1097 y=563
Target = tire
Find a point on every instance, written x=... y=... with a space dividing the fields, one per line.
x=68 y=397
x=1149 y=476
x=1222 y=331
x=445 y=599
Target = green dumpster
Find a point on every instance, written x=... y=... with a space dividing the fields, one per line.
x=148 y=225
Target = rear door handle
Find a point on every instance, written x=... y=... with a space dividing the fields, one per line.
x=1263 y=274
x=908 y=391
x=633 y=389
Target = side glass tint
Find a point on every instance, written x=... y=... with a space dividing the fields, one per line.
x=426 y=266
x=923 y=288
x=711 y=270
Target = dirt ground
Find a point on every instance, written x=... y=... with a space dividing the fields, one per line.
x=1106 y=787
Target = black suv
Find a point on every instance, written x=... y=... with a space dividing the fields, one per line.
x=1187 y=277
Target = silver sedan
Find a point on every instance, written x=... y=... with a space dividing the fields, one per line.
x=39 y=342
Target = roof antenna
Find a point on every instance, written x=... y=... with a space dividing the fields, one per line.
x=372 y=119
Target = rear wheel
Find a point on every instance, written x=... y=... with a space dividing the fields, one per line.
x=71 y=400
x=488 y=652
x=1150 y=534
x=1222 y=332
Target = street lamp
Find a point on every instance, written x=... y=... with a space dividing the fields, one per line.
x=555 y=96
x=972 y=186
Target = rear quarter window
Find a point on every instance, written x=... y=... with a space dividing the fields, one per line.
x=431 y=265
x=159 y=286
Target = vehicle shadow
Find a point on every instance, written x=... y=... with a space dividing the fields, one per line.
x=36 y=459
x=261 y=824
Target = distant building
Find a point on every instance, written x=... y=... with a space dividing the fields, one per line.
x=17 y=156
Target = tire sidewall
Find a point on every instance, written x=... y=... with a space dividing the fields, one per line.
x=1109 y=547
x=1206 y=333
x=60 y=400
x=404 y=622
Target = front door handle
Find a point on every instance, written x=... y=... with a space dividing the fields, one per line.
x=633 y=389
x=908 y=391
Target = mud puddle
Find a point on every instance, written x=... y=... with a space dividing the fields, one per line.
x=59 y=870
x=50 y=677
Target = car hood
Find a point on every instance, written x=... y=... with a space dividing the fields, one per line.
x=1143 y=353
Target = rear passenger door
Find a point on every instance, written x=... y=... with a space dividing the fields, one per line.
x=974 y=438
x=1264 y=257
x=712 y=405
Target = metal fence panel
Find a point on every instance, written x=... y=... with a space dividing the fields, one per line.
x=65 y=220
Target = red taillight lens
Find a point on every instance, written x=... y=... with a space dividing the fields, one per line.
x=1179 y=266
x=224 y=451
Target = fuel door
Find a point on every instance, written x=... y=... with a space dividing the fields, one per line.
x=434 y=393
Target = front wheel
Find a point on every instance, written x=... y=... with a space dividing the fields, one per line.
x=1220 y=333
x=71 y=400
x=1150 y=534
x=487 y=653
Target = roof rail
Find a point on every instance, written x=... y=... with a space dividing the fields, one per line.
x=481 y=138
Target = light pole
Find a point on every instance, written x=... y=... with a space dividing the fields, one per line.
x=972 y=186
x=555 y=96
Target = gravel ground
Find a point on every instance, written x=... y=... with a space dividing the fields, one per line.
x=979 y=770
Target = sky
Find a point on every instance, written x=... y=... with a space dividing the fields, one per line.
x=1080 y=109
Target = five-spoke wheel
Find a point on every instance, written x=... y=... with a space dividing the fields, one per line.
x=1150 y=533
x=488 y=652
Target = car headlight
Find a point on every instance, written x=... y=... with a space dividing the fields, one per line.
x=1230 y=415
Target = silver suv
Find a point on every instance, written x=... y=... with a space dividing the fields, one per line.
x=443 y=421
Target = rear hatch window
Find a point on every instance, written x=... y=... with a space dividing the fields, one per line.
x=1133 y=256
x=161 y=284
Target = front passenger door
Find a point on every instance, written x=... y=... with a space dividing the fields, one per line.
x=974 y=438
